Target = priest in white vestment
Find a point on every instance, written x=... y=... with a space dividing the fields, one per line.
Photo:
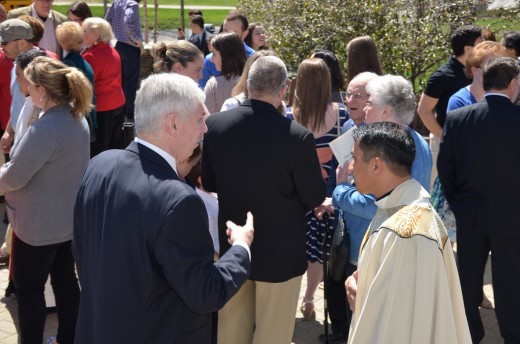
x=406 y=289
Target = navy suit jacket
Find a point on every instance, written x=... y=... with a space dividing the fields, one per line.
x=478 y=165
x=202 y=44
x=260 y=161
x=144 y=254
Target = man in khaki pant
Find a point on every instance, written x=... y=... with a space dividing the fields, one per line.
x=256 y=159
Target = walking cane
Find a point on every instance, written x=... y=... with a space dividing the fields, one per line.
x=325 y=272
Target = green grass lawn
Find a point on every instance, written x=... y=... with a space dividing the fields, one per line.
x=168 y=19
x=187 y=3
x=496 y=21
x=498 y=25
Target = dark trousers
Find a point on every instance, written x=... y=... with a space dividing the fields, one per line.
x=339 y=310
x=109 y=133
x=130 y=70
x=472 y=251
x=32 y=265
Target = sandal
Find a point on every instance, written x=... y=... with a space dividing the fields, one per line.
x=307 y=309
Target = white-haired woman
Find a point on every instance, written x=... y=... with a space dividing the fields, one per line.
x=392 y=100
x=110 y=99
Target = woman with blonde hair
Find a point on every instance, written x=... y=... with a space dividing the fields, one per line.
x=110 y=99
x=181 y=57
x=70 y=39
x=40 y=184
x=313 y=109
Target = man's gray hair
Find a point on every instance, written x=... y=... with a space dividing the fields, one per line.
x=396 y=92
x=163 y=94
x=267 y=76
x=364 y=77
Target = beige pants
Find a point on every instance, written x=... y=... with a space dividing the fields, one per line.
x=260 y=313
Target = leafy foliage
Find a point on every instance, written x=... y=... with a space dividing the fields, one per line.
x=412 y=35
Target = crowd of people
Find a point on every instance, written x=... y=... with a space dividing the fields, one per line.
x=144 y=244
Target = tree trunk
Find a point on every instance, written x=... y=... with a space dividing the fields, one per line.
x=155 y=29
x=145 y=20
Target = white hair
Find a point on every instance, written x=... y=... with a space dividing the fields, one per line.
x=364 y=77
x=396 y=92
x=163 y=94
x=267 y=76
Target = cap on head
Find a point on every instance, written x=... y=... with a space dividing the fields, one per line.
x=15 y=29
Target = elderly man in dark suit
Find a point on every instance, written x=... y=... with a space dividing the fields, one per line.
x=478 y=169
x=257 y=159
x=141 y=240
x=42 y=9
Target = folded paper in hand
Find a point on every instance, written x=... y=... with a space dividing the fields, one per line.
x=342 y=147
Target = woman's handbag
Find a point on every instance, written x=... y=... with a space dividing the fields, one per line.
x=128 y=132
x=339 y=250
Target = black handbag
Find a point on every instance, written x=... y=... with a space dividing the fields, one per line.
x=339 y=250
x=128 y=133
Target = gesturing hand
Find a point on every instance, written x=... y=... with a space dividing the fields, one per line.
x=245 y=232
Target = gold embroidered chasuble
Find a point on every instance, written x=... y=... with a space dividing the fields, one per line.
x=408 y=284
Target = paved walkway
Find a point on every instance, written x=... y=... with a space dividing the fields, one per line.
x=306 y=332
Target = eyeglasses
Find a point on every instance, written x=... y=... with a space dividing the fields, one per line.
x=356 y=96
x=369 y=103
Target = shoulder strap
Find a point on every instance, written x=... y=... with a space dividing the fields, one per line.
x=337 y=115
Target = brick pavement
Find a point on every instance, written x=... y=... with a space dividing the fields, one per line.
x=306 y=332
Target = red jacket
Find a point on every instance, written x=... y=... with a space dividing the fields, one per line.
x=6 y=65
x=106 y=63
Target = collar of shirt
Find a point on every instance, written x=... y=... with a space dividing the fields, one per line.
x=169 y=159
x=35 y=15
x=407 y=193
x=496 y=94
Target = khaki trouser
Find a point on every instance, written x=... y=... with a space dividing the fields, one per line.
x=260 y=313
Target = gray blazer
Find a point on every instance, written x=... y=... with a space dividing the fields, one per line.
x=42 y=178
x=57 y=17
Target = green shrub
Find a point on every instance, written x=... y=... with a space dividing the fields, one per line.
x=412 y=36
